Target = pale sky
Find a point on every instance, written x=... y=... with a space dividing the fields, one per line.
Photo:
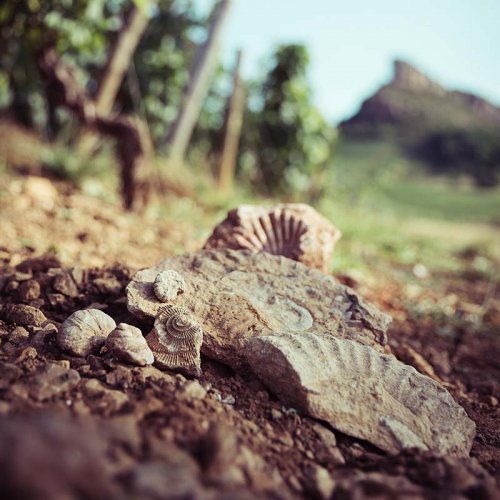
x=352 y=43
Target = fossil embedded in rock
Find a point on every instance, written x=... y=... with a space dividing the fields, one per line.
x=361 y=392
x=126 y=342
x=294 y=230
x=176 y=340
x=168 y=284
x=84 y=331
x=237 y=294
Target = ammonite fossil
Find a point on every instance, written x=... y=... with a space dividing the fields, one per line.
x=84 y=331
x=294 y=230
x=176 y=340
x=237 y=294
x=361 y=392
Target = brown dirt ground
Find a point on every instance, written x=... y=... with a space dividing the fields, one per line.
x=143 y=433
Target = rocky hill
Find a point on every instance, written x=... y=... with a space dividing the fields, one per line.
x=412 y=104
x=454 y=132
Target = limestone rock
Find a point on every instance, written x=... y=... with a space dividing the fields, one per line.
x=361 y=392
x=84 y=331
x=237 y=294
x=127 y=343
x=294 y=230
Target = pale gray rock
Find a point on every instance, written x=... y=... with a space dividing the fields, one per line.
x=168 y=285
x=361 y=392
x=127 y=343
x=294 y=230
x=237 y=294
x=84 y=331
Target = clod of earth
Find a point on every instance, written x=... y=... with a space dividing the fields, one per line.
x=361 y=392
x=294 y=230
x=48 y=456
x=84 y=331
x=51 y=380
x=236 y=295
x=64 y=283
x=126 y=342
x=23 y=315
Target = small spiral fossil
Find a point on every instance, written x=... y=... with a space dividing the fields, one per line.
x=168 y=285
x=176 y=340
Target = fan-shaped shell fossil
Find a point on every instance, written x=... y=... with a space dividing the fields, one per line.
x=361 y=392
x=168 y=284
x=84 y=331
x=176 y=340
x=294 y=230
x=126 y=342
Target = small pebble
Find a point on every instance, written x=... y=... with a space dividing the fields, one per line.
x=228 y=400
x=127 y=343
x=64 y=283
x=19 y=335
x=276 y=414
x=194 y=390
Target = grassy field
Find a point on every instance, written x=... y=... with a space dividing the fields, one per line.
x=390 y=212
x=392 y=215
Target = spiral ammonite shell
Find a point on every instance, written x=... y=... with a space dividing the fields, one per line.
x=176 y=340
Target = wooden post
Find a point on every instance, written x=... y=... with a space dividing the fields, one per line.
x=117 y=64
x=119 y=60
x=200 y=76
x=232 y=130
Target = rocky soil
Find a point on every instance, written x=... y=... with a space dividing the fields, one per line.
x=95 y=427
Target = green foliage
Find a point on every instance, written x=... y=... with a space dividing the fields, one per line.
x=64 y=163
x=161 y=64
x=83 y=32
x=288 y=137
x=474 y=152
x=80 y=30
x=388 y=217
